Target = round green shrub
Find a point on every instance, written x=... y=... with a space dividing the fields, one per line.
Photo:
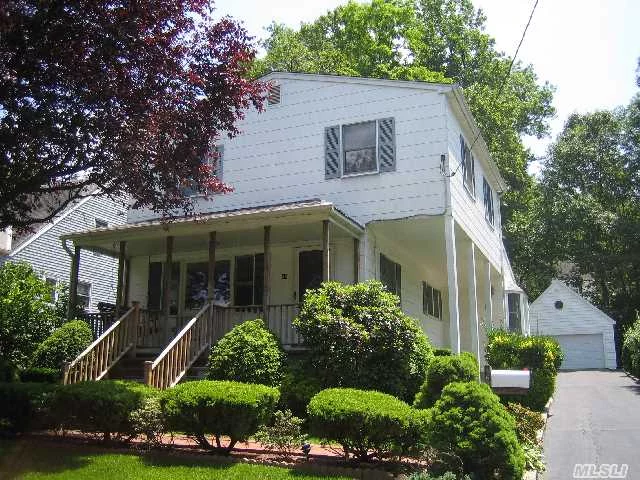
x=359 y=337
x=218 y=408
x=470 y=425
x=631 y=349
x=249 y=353
x=102 y=407
x=63 y=345
x=367 y=424
x=24 y=406
x=443 y=370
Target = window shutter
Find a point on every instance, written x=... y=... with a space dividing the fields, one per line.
x=462 y=152
x=387 y=144
x=332 y=152
x=218 y=161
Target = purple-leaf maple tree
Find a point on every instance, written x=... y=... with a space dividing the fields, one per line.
x=124 y=95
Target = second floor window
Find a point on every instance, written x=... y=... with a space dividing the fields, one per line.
x=391 y=275
x=488 y=201
x=468 y=167
x=359 y=145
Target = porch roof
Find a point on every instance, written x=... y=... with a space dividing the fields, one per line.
x=286 y=214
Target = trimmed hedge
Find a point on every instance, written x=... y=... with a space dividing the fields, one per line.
x=540 y=354
x=443 y=370
x=41 y=375
x=631 y=349
x=367 y=424
x=102 y=407
x=23 y=406
x=352 y=331
x=297 y=388
x=63 y=345
x=218 y=408
x=470 y=425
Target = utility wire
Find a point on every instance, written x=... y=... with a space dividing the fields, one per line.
x=504 y=80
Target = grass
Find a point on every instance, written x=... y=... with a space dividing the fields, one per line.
x=30 y=459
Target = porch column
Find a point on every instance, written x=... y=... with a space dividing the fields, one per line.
x=211 y=273
x=356 y=259
x=127 y=281
x=452 y=283
x=473 y=303
x=121 y=274
x=488 y=302
x=73 y=283
x=266 y=291
x=166 y=286
x=325 y=251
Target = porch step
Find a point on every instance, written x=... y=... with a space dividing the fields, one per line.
x=132 y=368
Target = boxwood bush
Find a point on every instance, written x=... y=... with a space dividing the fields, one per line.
x=63 y=345
x=352 y=331
x=443 y=370
x=24 y=407
x=249 y=353
x=218 y=408
x=540 y=354
x=367 y=424
x=470 y=425
x=102 y=407
x=631 y=349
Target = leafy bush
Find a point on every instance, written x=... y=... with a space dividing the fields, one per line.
x=219 y=408
x=63 y=345
x=541 y=355
x=297 y=388
x=27 y=315
x=359 y=337
x=444 y=476
x=284 y=435
x=443 y=370
x=631 y=349
x=24 y=406
x=147 y=421
x=367 y=424
x=41 y=375
x=470 y=423
x=442 y=352
x=528 y=422
x=249 y=353
x=102 y=407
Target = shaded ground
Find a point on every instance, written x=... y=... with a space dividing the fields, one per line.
x=30 y=459
x=595 y=419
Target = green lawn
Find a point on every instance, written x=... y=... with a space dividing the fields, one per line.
x=36 y=460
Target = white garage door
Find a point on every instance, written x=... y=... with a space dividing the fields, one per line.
x=581 y=351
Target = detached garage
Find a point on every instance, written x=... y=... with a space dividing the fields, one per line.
x=584 y=332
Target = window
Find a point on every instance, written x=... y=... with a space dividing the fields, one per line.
x=431 y=301
x=155 y=282
x=248 y=282
x=488 y=201
x=513 y=300
x=391 y=275
x=197 y=284
x=53 y=291
x=83 y=297
x=468 y=167
x=359 y=148
x=101 y=223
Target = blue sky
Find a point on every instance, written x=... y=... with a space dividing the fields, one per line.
x=587 y=49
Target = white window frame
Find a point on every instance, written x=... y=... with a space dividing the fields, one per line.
x=471 y=189
x=101 y=220
x=489 y=213
x=343 y=156
x=425 y=286
x=87 y=296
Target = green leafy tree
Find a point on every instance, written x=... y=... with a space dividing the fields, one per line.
x=27 y=315
x=437 y=41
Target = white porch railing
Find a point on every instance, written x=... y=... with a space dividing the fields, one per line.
x=101 y=355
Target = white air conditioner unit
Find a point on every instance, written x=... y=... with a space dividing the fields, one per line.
x=5 y=241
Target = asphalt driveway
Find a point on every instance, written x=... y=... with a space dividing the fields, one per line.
x=595 y=419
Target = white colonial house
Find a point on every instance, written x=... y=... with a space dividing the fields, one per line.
x=340 y=178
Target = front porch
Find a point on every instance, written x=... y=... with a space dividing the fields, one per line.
x=181 y=286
